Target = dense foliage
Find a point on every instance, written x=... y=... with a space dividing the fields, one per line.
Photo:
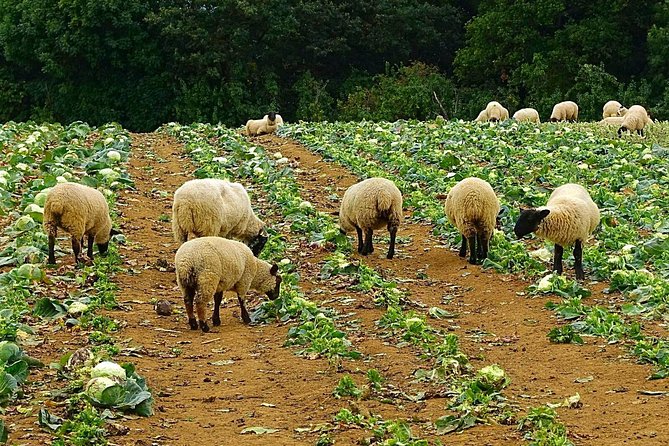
x=145 y=62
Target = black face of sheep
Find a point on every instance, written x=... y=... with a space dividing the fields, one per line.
x=102 y=247
x=273 y=294
x=529 y=221
x=271 y=116
x=258 y=243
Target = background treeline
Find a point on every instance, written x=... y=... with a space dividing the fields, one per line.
x=146 y=62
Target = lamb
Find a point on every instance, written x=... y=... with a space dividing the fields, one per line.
x=613 y=109
x=568 y=218
x=493 y=112
x=473 y=208
x=213 y=207
x=527 y=114
x=268 y=124
x=565 y=111
x=635 y=119
x=368 y=205
x=209 y=266
x=79 y=210
x=612 y=120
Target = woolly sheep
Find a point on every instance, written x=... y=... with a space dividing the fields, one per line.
x=482 y=117
x=209 y=266
x=79 y=210
x=493 y=112
x=368 y=205
x=613 y=109
x=472 y=207
x=213 y=207
x=565 y=111
x=268 y=124
x=568 y=218
x=527 y=114
x=635 y=119
x=612 y=120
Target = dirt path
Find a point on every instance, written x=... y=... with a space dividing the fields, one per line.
x=496 y=325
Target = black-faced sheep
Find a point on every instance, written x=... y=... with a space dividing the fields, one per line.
x=635 y=119
x=209 y=266
x=528 y=115
x=613 y=109
x=81 y=211
x=565 y=111
x=268 y=124
x=473 y=207
x=368 y=205
x=568 y=218
x=213 y=207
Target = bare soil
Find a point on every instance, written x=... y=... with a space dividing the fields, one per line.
x=209 y=387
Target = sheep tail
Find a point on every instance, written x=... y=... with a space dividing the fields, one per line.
x=189 y=278
x=53 y=216
x=385 y=206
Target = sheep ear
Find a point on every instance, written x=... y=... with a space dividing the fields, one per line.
x=263 y=232
x=501 y=212
x=274 y=269
x=544 y=213
x=114 y=232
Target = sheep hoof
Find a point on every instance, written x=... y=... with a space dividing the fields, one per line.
x=472 y=261
x=389 y=256
x=192 y=323
x=204 y=327
x=216 y=321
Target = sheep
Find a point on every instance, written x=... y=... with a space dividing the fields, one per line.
x=268 y=124
x=493 y=112
x=565 y=111
x=368 y=205
x=527 y=114
x=613 y=109
x=568 y=218
x=636 y=118
x=612 y=120
x=482 y=117
x=472 y=207
x=213 y=207
x=79 y=210
x=209 y=266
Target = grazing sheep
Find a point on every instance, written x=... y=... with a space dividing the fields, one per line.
x=268 y=124
x=79 y=210
x=612 y=120
x=473 y=207
x=635 y=119
x=209 y=266
x=568 y=219
x=213 y=207
x=493 y=112
x=565 y=111
x=368 y=205
x=482 y=117
x=527 y=114
x=612 y=109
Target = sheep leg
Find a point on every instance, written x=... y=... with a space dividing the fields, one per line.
x=188 y=301
x=557 y=259
x=472 y=249
x=393 y=236
x=216 y=318
x=578 y=260
x=52 y=246
x=201 y=307
x=463 y=247
x=360 y=242
x=479 y=246
x=369 y=248
x=484 y=247
x=245 y=314
x=76 y=248
x=90 y=247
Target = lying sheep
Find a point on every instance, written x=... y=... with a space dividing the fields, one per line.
x=568 y=219
x=209 y=266
x=213 y=207
x=565 y=111
x=635 y=119
x=79 y=210
x=368 y=205
x=473 y=207
x=493 y=112
x=613 y=109
x=528 y=115
x=268 y=124
x=612 y=120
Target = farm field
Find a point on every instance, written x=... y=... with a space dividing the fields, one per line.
x=357 y=350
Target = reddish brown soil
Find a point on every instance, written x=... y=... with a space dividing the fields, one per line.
x=267 y=385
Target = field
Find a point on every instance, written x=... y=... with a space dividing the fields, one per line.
x=421 y=349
